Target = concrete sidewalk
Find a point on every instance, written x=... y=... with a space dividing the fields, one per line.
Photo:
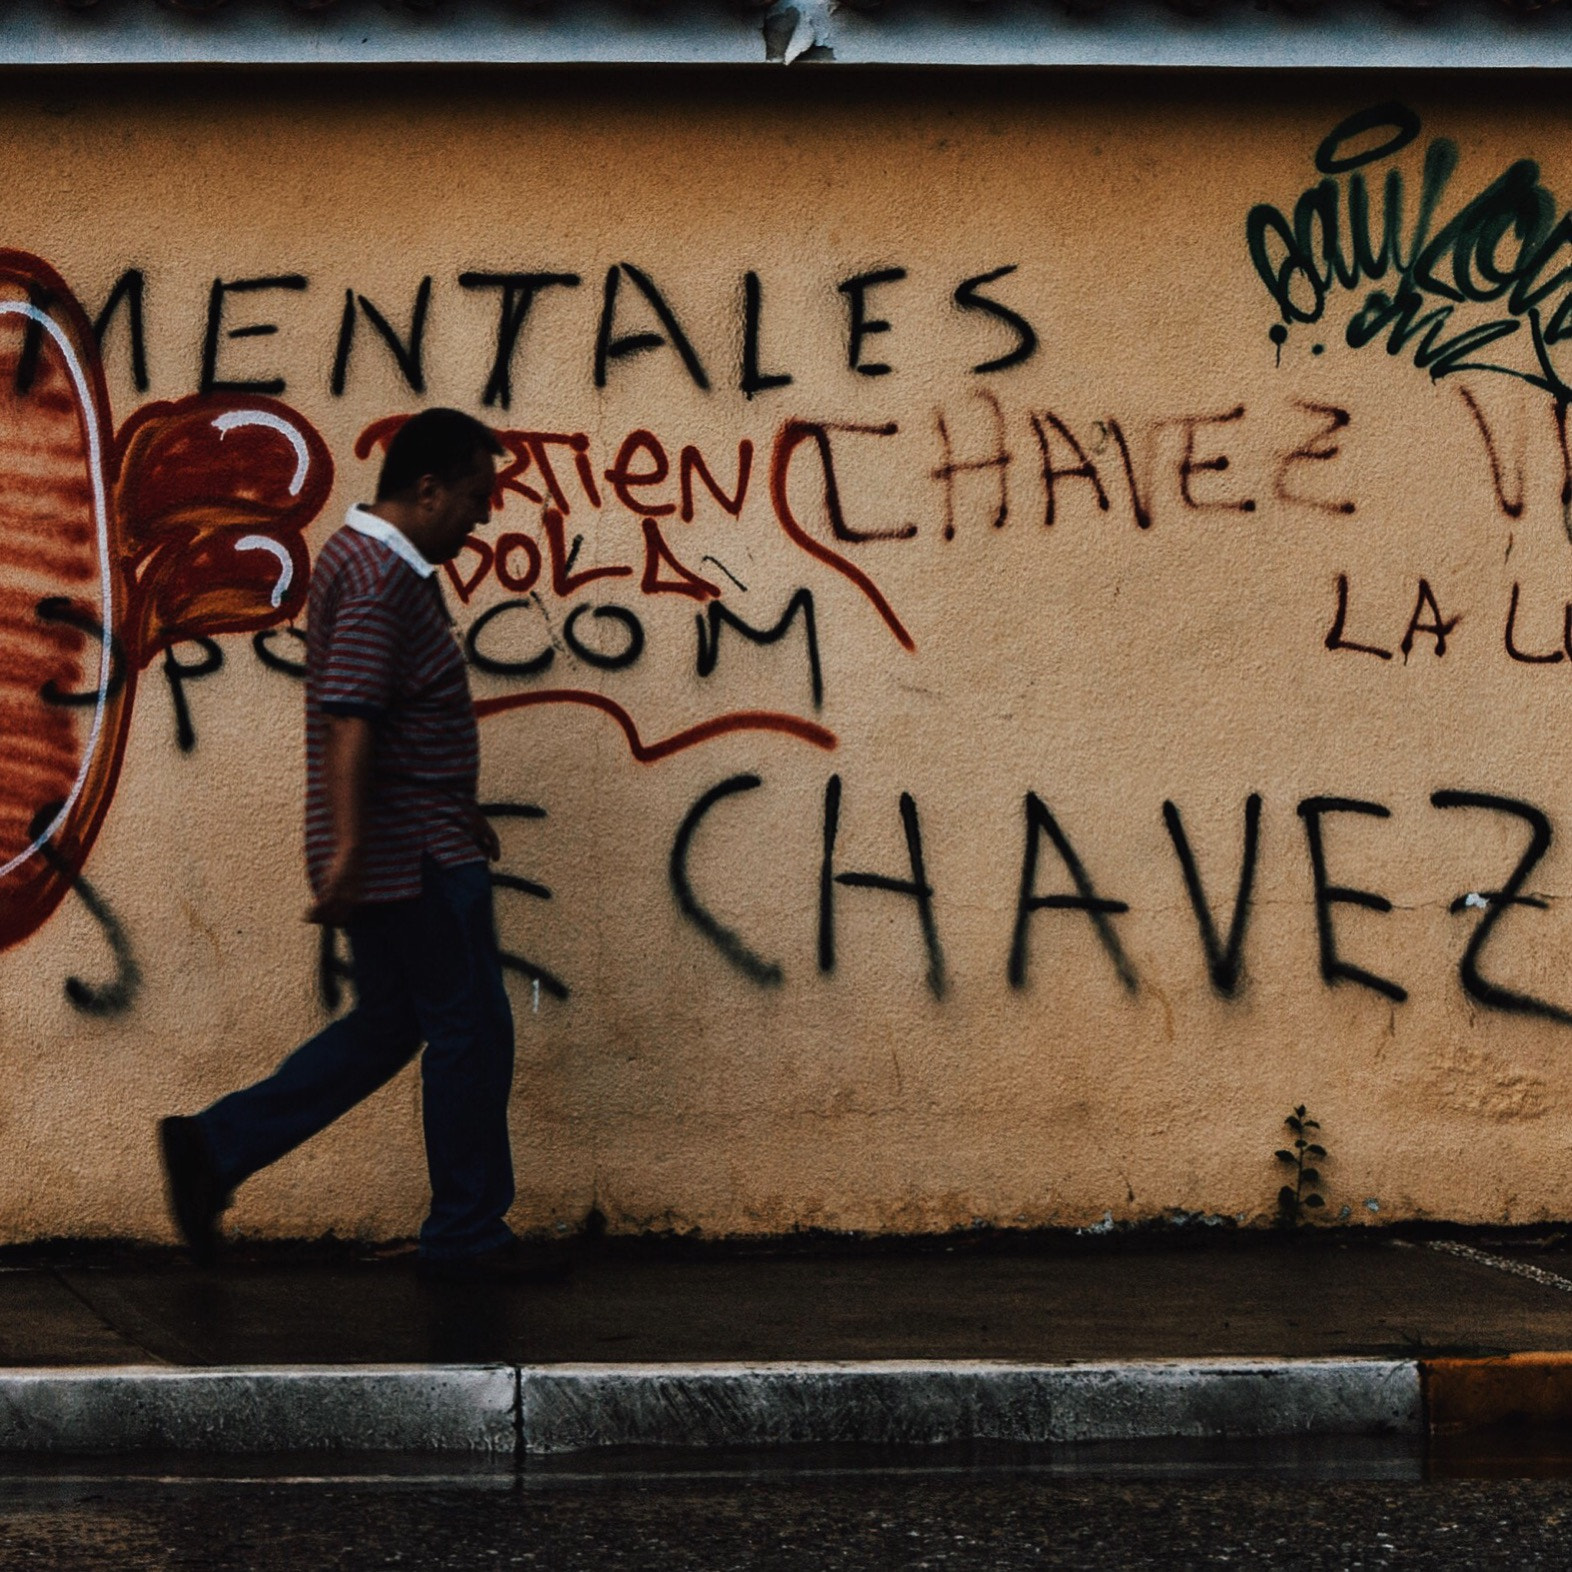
x=1121 y=1339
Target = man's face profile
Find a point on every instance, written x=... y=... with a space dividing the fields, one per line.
x=455 y=509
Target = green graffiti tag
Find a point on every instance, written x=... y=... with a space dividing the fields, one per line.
x=1506 y=250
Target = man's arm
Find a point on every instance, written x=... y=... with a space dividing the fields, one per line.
x=346 y=777
x=485 y=835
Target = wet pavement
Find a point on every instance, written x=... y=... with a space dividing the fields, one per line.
x=1501 y=1500
x=1253 y=1295
x=990 y=1520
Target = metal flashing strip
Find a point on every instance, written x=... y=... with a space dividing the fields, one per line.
x=1236 y=34
x=377 y=33
x=1342 y=35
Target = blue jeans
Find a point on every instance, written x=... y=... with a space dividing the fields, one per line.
x=426 y=970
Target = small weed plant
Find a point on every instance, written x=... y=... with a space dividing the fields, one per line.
x=1303 y=1193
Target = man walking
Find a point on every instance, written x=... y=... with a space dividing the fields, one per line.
x=397 y=852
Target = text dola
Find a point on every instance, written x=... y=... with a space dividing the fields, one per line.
x=1222 y=946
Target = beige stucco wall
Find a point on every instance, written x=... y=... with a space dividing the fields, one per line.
x=1103 y=666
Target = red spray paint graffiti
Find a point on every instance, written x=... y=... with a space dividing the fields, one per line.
x=663 y=574
x=112 y=547
x=664 y=747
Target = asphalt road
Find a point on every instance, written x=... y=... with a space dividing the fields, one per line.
x=960 y=1520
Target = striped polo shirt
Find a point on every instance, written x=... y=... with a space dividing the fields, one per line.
x=380 y=644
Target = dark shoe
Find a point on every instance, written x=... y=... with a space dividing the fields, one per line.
x=196 y=1195
x=513 y=1262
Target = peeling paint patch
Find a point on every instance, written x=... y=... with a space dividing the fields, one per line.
x=802 y=30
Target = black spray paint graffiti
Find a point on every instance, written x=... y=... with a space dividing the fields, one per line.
x=767 y=974
x=178 y=673
x=518 y=638
x=262 y=643
x=115 y=996
x=1504 y=249
x=405 y=352
x=1475 y=984
x=1546 y=643
x=636 y=317
x=1223 y=957
x=627 y=646
x=1040 y=822
x=547 y=982
x=1224 y=962
x=770 y=974
x=59 y=609
x=179 y=670
x=1327 y=895
x=334 y=969
x=708 y=625
x=915 y=888
x=626 y=650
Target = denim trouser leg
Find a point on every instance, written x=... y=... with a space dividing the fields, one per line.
x=424 y=969
x=331 y=1072
x=467 y=1071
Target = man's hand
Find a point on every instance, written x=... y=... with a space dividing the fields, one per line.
x=485 y=835
x=346 y=775
x=341 y=890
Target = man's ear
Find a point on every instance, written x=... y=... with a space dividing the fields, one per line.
x=428 y=491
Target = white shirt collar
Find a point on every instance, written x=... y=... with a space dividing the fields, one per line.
x=366 y=522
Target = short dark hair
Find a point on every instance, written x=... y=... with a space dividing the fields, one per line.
x=440 y=442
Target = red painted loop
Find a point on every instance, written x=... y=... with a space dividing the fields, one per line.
x=185 y=523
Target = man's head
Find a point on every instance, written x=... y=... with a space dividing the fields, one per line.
x=437 y=479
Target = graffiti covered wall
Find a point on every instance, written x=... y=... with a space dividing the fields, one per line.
x=1025 y=634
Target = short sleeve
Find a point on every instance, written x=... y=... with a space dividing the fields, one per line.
x=360 y=669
